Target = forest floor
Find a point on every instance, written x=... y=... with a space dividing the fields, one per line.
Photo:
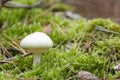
x=79 y=44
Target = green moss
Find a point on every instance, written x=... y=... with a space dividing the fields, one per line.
x=90 y=52
x=106 y=23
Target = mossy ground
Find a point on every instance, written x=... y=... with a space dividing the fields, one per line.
x=94 y=51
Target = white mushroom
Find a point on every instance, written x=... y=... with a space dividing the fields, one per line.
x=36 y=43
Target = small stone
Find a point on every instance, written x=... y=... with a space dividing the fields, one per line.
x=72 y=15
x=117 y=67
x=84 y=75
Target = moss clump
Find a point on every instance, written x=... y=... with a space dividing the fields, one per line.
x=92 y=50
x=106 y=23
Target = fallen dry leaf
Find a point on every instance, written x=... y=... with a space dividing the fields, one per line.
x=47 y=29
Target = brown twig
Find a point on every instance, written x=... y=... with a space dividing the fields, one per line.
x=5 y=52
x=2 y=2
x=26 y=17
x=12 y=4
x=4 y=61
x=24 y=55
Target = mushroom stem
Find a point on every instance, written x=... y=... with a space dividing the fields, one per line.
x=36 y=59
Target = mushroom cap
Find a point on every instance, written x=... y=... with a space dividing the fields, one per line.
x=36 y=41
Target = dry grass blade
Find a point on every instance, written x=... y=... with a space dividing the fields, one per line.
x=100 y=28
x=4 y=61
x=42 y=13
x=26 y=17
x=79 y=40
x=88 y=44
x=5 y=52
x=59 y=29
x=22 y=51
x=6 y=22
x=14 y=44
